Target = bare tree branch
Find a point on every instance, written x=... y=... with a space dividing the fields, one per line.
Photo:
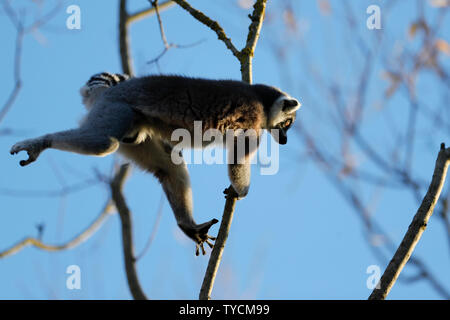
x=116 y=184
x=416 y=228
x=124 y=46
x=125 y=20
x=83 y=236
x=216 y=253
x=21 y=31
x=254 y=28
x=373 y=228
x=245 y=58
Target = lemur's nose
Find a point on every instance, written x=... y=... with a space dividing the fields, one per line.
x=291 y=105
x=296 y=103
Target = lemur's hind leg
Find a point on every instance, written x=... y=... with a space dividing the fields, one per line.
x=99 y=134
x=154 y=155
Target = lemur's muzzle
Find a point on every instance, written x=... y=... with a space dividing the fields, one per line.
x=282 y=138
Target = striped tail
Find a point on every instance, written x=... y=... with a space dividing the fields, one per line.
x=97 y=84
x=106 y=79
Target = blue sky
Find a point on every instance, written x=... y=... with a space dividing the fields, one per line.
x=293 y=237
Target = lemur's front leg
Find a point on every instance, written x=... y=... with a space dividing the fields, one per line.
x=81 y=141
x=240 y=156
x=239 y=175
x=105 y=125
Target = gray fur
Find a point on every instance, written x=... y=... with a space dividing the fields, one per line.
x=137 y=117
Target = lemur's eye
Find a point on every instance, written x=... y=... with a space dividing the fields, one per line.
x=287 y=123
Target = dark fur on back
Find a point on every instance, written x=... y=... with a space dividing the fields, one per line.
x=220 y=104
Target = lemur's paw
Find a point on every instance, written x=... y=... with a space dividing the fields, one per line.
x=231 y=193
x=201 y=236
x=33 y=148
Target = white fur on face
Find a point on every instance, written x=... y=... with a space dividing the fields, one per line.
x=277 y=114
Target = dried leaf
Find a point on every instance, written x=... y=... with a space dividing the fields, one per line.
x=418 y=25
x=439 y=3
x=324 y=7
x=391 y=89
x=413 y=29
x=350 y=164
x=290 y=20
x=443 y=46
x=377 y=240
x=394 y=80
x=390 y=76
x=39 y=37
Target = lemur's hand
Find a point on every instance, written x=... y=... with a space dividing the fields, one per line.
x=230 y=193
x=33 y=147
x=199 y=234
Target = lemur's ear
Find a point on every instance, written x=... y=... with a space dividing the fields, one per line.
x=290 y=105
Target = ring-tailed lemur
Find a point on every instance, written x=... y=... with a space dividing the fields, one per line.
x=138 y=115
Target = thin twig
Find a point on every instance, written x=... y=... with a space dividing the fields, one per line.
x=83 y=236
x=160 y=24
x=154 y=229
x=21 y=31
x=213 y=25
x=175 y=46
x=17 y=59
x=416 y=228
x=167 y=45
x=64 y=190
x=127 y=233
x=133 y=17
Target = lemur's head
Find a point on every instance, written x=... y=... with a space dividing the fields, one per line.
x=281 y=116
x=280 y=109
x=97 y=84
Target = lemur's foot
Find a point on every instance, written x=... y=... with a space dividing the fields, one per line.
x=199 y=234
x=202 y=236
x=199 y=245
x=33 y=147
x=231 y=193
